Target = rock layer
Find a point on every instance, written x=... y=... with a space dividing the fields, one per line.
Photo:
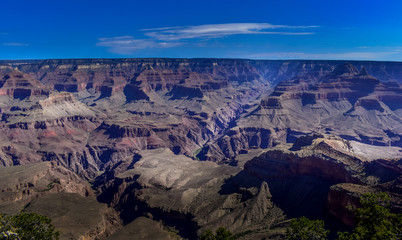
x=135 y=128
x=189 y=195
x=314 y=173
x=345 y=102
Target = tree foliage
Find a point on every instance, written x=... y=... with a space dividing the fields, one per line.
x=306 y=229
x=220 y=234
x=373 y=218
x=27 y=226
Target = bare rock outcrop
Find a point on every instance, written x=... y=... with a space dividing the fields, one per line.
x=343 y=197
x=319 y=172
x=345 y=102
x=189 y=195
x=22 y=184
x=102 y=119
x=52 y=190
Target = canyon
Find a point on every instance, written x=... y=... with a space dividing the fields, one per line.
x=185 y=145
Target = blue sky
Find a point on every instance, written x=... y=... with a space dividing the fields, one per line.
x=266 y=29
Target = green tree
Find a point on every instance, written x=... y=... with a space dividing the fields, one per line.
x=220 y=234
x=223 y=234
x=306 y=229
x=374 y=220
x=7 y=231
x=27 y=226
x=208 y=235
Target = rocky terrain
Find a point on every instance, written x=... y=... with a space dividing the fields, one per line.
x=20 y=184
x=52 y=190
x=305 y=178
x=369 y=110
x=193 y=144
x=189 y=195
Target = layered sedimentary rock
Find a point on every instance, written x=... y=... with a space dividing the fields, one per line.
x=187 y=194
x=19 y=85
x=321 y=172
x=87 y=114
x=186 y=105
x=52 y=190
x=21 y=184
x=342 y=197
x=346 y=102
x=135 y=128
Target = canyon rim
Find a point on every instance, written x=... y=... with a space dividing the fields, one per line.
x=164 y=148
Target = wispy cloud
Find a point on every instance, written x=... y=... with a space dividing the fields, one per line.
x=221 y=30
x=167 y=37
x=128 y=45
x=325 y=56
x=16 y=44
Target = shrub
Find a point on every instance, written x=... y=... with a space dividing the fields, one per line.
x=374 y=220
x=220 y=234
x=306 y=229
x=27 y=226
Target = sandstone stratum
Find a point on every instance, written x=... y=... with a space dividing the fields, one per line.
x=167 y=148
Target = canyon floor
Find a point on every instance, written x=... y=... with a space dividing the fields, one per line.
x=167 y=148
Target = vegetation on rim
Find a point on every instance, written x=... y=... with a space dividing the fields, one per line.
x=27 y=226
x=373 y=221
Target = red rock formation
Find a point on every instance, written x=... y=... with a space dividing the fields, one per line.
x=18 y=85
x=346 y=102
x=95 y=115
x=321 y=173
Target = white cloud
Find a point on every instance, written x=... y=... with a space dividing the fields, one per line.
x=167 y=37
x=128 y=45
x=221 y=30
x=16 y=44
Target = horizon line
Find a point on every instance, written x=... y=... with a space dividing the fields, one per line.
x=195 y=58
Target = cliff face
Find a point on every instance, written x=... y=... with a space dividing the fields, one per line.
x=19 y=85
x=87 y=114
x=52 y=190
x=202 y=107
x=189 y=195
x=321 y=173
x=102 y=119
x=23 y=183
x=345 y=102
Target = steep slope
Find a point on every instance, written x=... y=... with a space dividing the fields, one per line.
x=135 y=128
x=346 y=102
x=21 y=86
x=142 y=229
x=55 y=191
x=112 y=108
x=303 y=179
x=126 y=105
x=52 y=127
x=187 y=194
